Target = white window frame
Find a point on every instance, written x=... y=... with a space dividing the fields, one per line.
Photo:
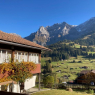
x=6 y=55
x=34 y=57
x=18 y=57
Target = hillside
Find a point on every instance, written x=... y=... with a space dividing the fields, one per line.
x=67 y=59
x=61 y=31
x=88 y=39
x=65 y=49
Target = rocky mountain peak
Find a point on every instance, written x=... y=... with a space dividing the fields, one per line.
x=60 y=31
x=87 y=25
x=93 y=18
x=51 y=33
x=41 y=28
x=42 y=31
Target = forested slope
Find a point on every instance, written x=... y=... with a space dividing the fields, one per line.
x=65 y=49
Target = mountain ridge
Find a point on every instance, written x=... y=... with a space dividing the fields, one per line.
x=60 y=31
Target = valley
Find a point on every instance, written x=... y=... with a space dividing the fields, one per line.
x=68 y=69
x=71 y=67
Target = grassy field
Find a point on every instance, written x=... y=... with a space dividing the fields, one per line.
x=75 y=45
x=71 y=67
x=59 y=92
x=91 y=52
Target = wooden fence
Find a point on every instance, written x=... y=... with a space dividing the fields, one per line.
x=80 y=86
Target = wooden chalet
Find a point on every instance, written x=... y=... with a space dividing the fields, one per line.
x=16 y=48
x=86 y=77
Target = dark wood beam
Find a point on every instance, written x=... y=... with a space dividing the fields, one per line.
x=13 y=52
x=18 y=48
x=28 y=57
x=40 y=58
x=39 y=76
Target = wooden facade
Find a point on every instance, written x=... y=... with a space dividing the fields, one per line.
x=86 y=78
x=16 y=48
x=23 y=49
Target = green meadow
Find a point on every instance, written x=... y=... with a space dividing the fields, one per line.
x=71 y=67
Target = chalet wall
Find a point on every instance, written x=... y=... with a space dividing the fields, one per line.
x=86 y=78
x=37 y=69
x=16 y=88
x=30 y=82
x=19 y=54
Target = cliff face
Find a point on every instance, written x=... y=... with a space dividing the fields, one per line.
x=50 y=34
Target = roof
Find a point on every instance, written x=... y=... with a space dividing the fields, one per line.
x=87 y=71
x=93 y=71
x=19 y=40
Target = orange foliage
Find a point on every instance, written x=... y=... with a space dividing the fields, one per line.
x=17 y=72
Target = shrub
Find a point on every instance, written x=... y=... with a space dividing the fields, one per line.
x=74 y=61
x=90 y=91
x=61 y=86
x=79 y=61
x=48 y=81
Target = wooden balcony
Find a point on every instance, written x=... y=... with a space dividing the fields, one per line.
x=37 y=70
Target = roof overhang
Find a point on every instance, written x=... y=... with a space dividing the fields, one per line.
x=22 y=45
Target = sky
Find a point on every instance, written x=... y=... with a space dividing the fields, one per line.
x=24 y=17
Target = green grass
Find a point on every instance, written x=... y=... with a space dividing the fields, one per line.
x=78 y=45
x=75 y=45
x=60 y=92
x=65 y=68
x=91 y=52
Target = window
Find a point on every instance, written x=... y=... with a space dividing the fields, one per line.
x=33 y=57
x=21 y=56
x=5 y=55
x=8 y=55
x=1 y=56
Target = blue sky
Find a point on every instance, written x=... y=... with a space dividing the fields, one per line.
x=24 y=17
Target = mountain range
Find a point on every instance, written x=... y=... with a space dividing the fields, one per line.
x=60 y=31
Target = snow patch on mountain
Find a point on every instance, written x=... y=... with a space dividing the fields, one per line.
x=74 y=25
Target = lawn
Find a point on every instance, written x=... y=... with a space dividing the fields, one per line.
x=60 y=92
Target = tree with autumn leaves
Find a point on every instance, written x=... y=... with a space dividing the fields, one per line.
x=22 y=71
x=18 y=72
